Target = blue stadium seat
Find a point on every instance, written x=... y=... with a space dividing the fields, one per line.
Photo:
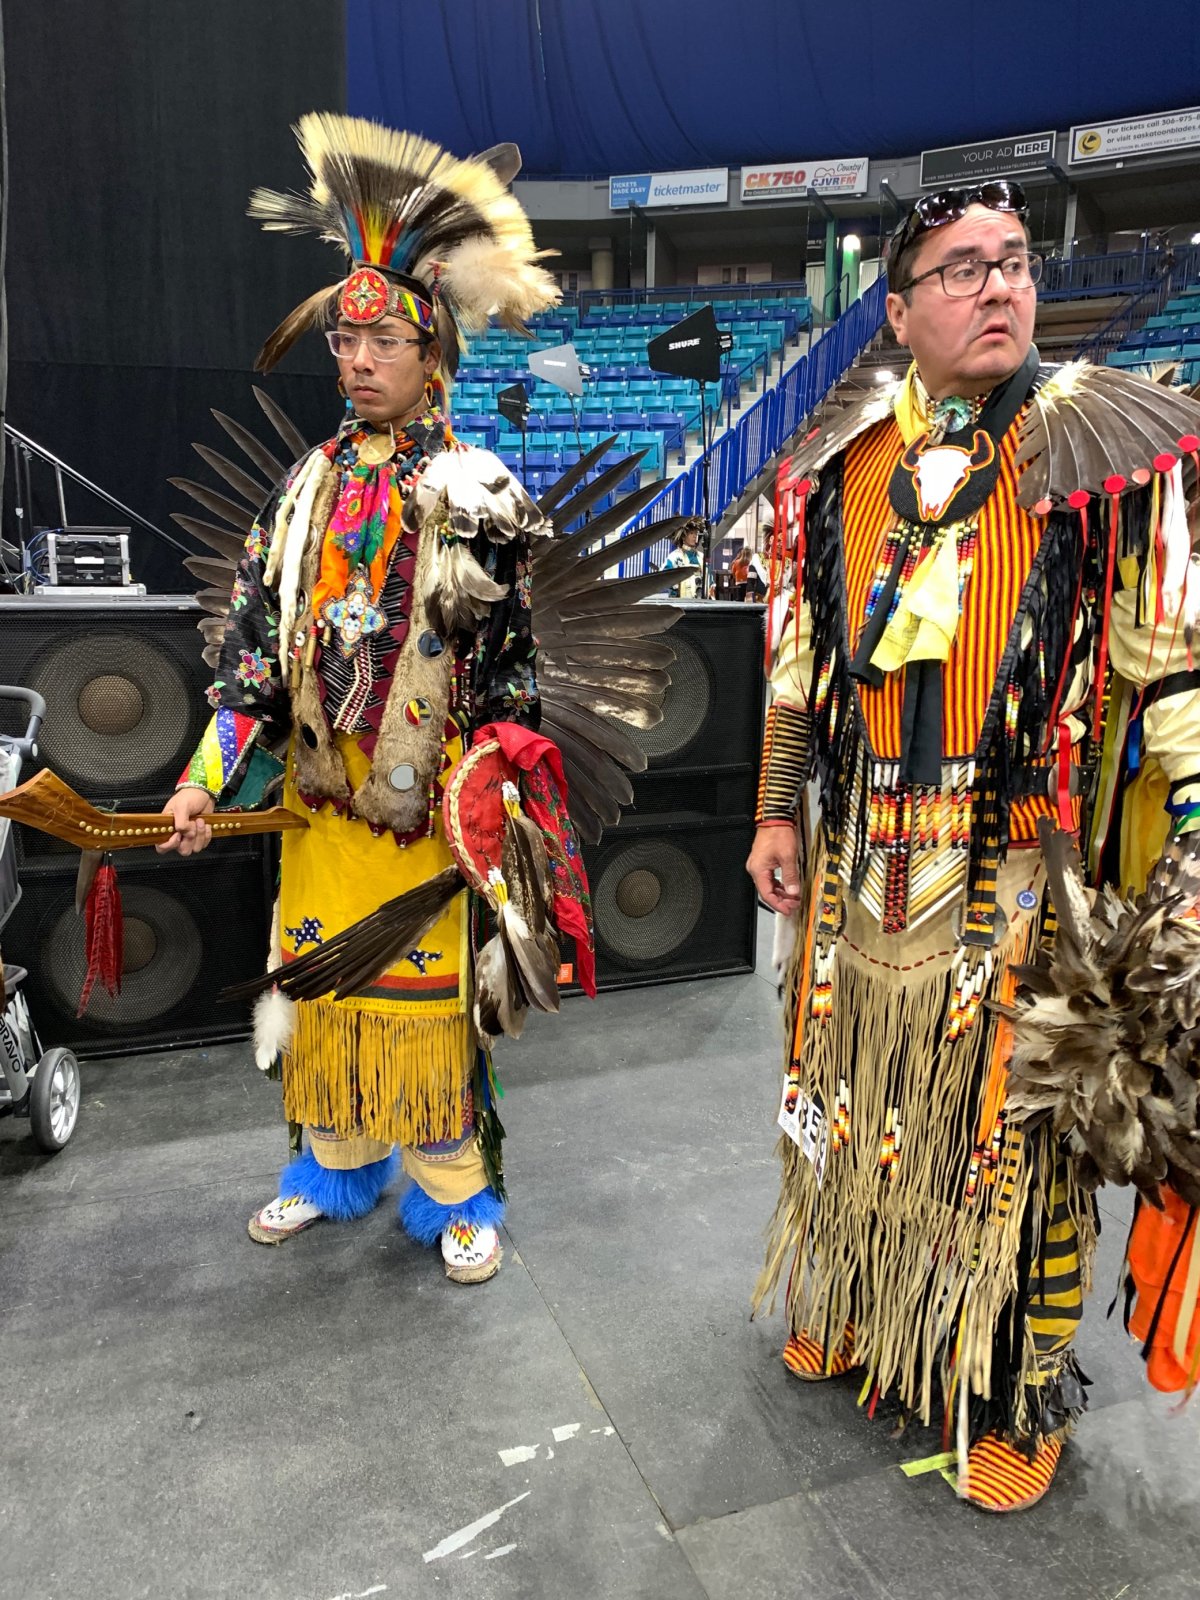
x=484 y=429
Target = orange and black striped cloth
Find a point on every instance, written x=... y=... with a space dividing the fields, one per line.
x=1007 y=542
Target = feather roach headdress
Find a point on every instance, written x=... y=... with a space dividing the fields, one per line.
x=431 y=238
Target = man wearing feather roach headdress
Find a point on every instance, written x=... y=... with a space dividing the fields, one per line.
x=379 y=634
x=993 y=627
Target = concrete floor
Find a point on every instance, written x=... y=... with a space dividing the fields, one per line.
x=187 y=1414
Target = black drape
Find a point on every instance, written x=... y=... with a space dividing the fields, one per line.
x=138 y=289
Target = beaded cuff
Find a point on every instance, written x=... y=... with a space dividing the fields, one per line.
x=784 y=763
x=222 y=752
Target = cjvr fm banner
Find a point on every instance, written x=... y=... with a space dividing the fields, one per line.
x=848 y=176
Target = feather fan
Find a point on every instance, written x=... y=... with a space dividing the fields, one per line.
x=1106 y=1038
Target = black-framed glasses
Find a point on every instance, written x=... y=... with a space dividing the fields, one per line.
x=383 y=346
x=964 y=279
x=948 y=205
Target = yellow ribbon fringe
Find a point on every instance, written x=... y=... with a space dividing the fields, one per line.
x=399 y=1079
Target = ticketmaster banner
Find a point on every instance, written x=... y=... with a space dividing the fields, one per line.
x=707 y=187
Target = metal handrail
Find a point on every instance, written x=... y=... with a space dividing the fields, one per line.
x=741 y=453
x=1110 y=334
x=62 y=469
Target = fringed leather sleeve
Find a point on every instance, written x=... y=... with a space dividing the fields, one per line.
x=784 y=764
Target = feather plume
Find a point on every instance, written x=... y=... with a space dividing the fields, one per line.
x=459 y=593
x=499 y=1001
x=274 y=1024
x=471 y=273
x=253 y=449
x=1106 y=1045
x=310 y=313
x=293 y=440
x=1086 y=425
x=846 y=413
x=400 y=202
x=225 y=542
x=251 y=490
x=477 y=493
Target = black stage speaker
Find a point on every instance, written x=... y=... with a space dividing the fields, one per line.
x=670 y=894
x=124 y=687
x=191 y=927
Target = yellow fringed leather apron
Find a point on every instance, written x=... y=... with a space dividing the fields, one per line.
x=392 y=1062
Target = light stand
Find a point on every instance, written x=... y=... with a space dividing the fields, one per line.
x=693 y=349
x=562 y=367
x=513 y=403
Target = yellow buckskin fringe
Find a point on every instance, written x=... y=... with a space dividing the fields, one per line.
x=921 y=1272
x=399 y=1079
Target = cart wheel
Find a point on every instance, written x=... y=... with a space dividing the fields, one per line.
x=54 y=1099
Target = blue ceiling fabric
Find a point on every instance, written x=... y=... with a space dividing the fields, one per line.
x=593 y=87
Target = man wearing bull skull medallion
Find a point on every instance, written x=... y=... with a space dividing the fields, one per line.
x=994 y=611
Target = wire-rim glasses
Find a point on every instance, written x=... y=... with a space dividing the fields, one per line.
x=382 y=346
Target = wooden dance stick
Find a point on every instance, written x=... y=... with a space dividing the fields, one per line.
x=52 y=806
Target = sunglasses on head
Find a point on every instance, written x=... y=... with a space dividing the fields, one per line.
x=948 y=205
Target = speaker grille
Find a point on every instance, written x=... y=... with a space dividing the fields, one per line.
x=115 y=704
x=191 y=927
x=648 y=900
x=687 y=704
x=123 y=689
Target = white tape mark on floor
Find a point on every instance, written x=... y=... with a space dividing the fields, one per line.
x=569 y=1432
x=502 y=1551
x=521 y=1452
x=361 y=1594
x=455 y=1541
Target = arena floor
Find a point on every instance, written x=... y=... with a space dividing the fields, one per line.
x=190 y=1415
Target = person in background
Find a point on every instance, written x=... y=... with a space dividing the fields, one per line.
x=687 y=554
x=740 y=573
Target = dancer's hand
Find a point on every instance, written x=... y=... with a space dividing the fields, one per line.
x=774 y=865
x=187 y=809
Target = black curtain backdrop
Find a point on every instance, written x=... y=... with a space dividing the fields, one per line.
x=139 y=291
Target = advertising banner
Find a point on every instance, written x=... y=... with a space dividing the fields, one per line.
x=709 y=186
x=789 y=180
x=1135 y=136
x=988 y=158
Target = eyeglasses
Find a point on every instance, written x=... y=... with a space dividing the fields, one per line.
x=948 y=205
x=964 y=279
x=382 y=346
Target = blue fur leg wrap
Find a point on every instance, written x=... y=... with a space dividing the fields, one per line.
x=424 y=1220
x=342 y=1196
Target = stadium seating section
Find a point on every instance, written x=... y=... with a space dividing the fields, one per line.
x=1172 y=335
x=622 y=395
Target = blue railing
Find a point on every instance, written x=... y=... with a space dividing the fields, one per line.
x=740 y=454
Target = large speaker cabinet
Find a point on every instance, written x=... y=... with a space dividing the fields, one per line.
x=124 y=688
x=670 y=894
